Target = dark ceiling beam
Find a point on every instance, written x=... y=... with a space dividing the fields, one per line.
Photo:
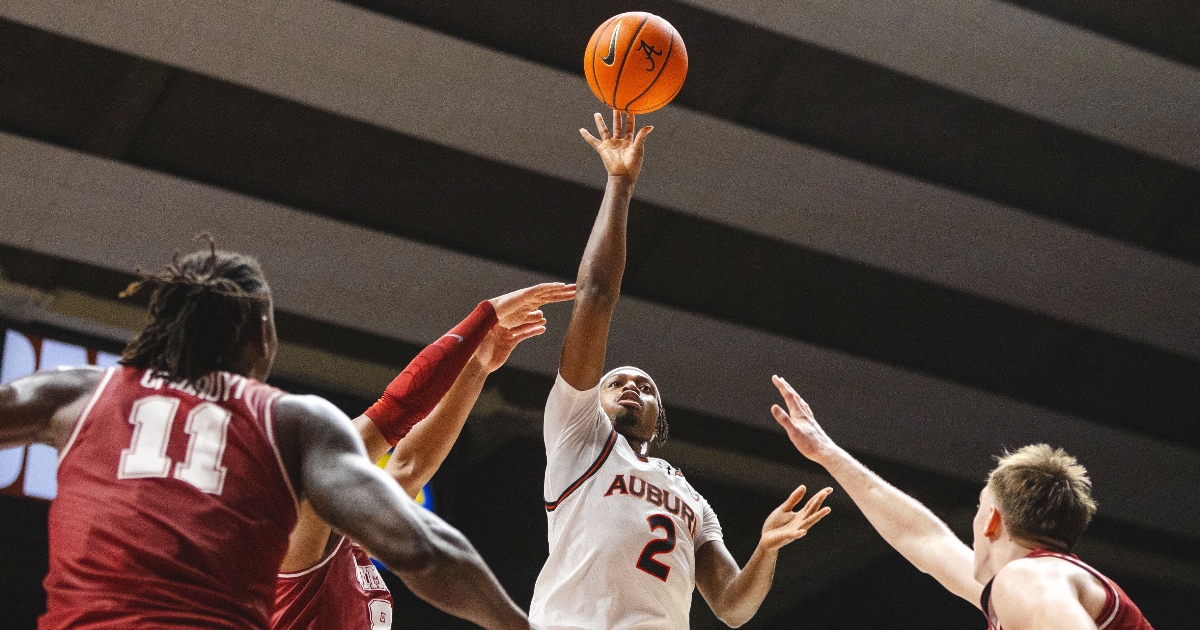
x=861 y=110
x=253 y=143
x=1164 y=27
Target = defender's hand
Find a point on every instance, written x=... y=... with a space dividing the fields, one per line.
x=494 y=351
x=622 y=151
x=520 y=307
x=783 y=525
x=802 y=428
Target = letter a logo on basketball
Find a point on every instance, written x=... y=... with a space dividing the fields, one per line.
x=612 y=47
x=650 y=52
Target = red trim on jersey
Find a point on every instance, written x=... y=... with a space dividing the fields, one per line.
x=269 y=425
x=604 y=453
x=324 y=561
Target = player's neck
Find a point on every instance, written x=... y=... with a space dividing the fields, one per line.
x=640 y=447
x=1007 y=550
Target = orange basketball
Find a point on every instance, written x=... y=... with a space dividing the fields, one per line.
x=635 y=62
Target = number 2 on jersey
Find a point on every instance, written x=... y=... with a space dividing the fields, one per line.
x=646 y=561
x=146 y=457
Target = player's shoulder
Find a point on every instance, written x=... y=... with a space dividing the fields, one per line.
x=302 y=406
x=1040 y=574
x=674 y=474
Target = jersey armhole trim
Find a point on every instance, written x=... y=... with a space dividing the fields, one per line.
x=268 y=424
x=324 y=561
x=87 y=409
x=600 y=459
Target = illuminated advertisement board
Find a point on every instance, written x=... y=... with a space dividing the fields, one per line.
x=32 y=471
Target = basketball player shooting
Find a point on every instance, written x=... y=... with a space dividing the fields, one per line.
x=629 y=537
x=327 y=582
x=181 y=473
x=1034 y=508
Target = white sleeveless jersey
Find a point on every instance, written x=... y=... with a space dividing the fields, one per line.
x=623 y=529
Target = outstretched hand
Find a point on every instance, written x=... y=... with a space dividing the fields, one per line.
x=494 y=351
x=521 y=306
x=801 y=426
x=785 y=525
x=620 y=150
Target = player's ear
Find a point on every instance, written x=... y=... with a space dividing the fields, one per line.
x=995 y=524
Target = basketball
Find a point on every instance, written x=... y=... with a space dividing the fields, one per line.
x=635 y=62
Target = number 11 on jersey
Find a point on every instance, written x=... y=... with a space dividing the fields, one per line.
x=146 y=457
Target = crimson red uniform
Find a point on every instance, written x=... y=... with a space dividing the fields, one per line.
x=343 y=592
x=1119 y=612
x=173 y=507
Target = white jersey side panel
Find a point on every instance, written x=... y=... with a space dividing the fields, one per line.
x=623 y=529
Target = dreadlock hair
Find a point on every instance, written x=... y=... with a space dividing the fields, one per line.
x=203 y=307
x=661 y=429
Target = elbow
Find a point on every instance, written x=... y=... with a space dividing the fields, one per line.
x=735 y=620
x=415 y=556
x=598 y=294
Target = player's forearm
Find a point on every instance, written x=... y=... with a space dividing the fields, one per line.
x=904 y=523
x=603 y=264
x=457 y=581
x=419 y=455
x=746 y=592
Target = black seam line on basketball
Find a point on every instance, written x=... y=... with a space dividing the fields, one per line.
x=596 y=77
x=661 y=69
x=624 y=58
x=608 y=446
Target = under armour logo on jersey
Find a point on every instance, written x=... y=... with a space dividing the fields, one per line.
x=650 y=52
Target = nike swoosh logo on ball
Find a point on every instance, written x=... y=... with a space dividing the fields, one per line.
x=612 y=47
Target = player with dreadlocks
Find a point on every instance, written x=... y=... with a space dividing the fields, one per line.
x=180 y=472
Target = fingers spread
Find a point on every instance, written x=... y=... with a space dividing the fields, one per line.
x=590 y=138
x=814 y=503
x=812 y=520
x=639 y=141
x=601 y=127
x=794 y=499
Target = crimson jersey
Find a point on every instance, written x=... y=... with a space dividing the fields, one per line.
x=1119 y=612
x=343 y=592
x=173 y=507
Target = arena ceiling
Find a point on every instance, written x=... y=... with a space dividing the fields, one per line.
x=955 y=225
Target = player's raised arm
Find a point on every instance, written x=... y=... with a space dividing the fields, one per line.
x=419 y=455
x=603 y=265
x=43 y=407
x=328 y=466
x=909 y=527
x=416 y=391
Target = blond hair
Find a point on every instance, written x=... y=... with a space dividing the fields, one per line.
x=1044 y=495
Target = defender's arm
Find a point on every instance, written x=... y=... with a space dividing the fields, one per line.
x=599 y=277
x=44 y=407
x=328 y=464
x=419 y=455
x=909 y=527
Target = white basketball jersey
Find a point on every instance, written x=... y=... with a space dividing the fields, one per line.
x=623 y=529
